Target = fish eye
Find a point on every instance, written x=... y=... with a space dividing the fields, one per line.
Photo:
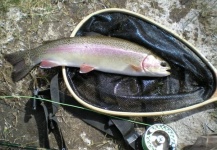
x=163 y=64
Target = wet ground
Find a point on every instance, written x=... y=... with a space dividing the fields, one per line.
x=25 y=24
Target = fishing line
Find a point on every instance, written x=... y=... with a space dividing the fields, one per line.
x=74 y=106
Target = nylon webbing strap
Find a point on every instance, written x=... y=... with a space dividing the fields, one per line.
x=54 y=92
x=127 y=130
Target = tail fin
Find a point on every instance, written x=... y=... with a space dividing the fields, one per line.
x=20 y=68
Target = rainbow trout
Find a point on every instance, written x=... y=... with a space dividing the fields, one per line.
x=106 y=54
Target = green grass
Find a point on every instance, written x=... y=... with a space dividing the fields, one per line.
x=5 y=4
x=25 y=5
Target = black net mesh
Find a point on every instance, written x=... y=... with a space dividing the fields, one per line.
x=191 y=80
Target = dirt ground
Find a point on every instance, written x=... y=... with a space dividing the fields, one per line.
x=25 y=24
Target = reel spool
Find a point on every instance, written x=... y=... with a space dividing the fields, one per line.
x=159 y=137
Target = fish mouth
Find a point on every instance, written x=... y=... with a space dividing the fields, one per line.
x=168 y=71
x=165 y=71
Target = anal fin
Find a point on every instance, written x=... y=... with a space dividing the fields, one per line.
x=86 y=68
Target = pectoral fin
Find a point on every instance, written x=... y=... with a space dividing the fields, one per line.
x=86 y=68
x=48 y=64
x=136 y=68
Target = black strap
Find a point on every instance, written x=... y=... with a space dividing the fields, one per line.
x=46 y=114
x=54 y=92
x=127 y=130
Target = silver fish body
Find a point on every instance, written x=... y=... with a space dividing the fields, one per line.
x=106 y=54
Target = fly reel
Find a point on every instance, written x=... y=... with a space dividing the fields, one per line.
x=159 y=137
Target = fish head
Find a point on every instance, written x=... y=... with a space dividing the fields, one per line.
x=155 y=66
